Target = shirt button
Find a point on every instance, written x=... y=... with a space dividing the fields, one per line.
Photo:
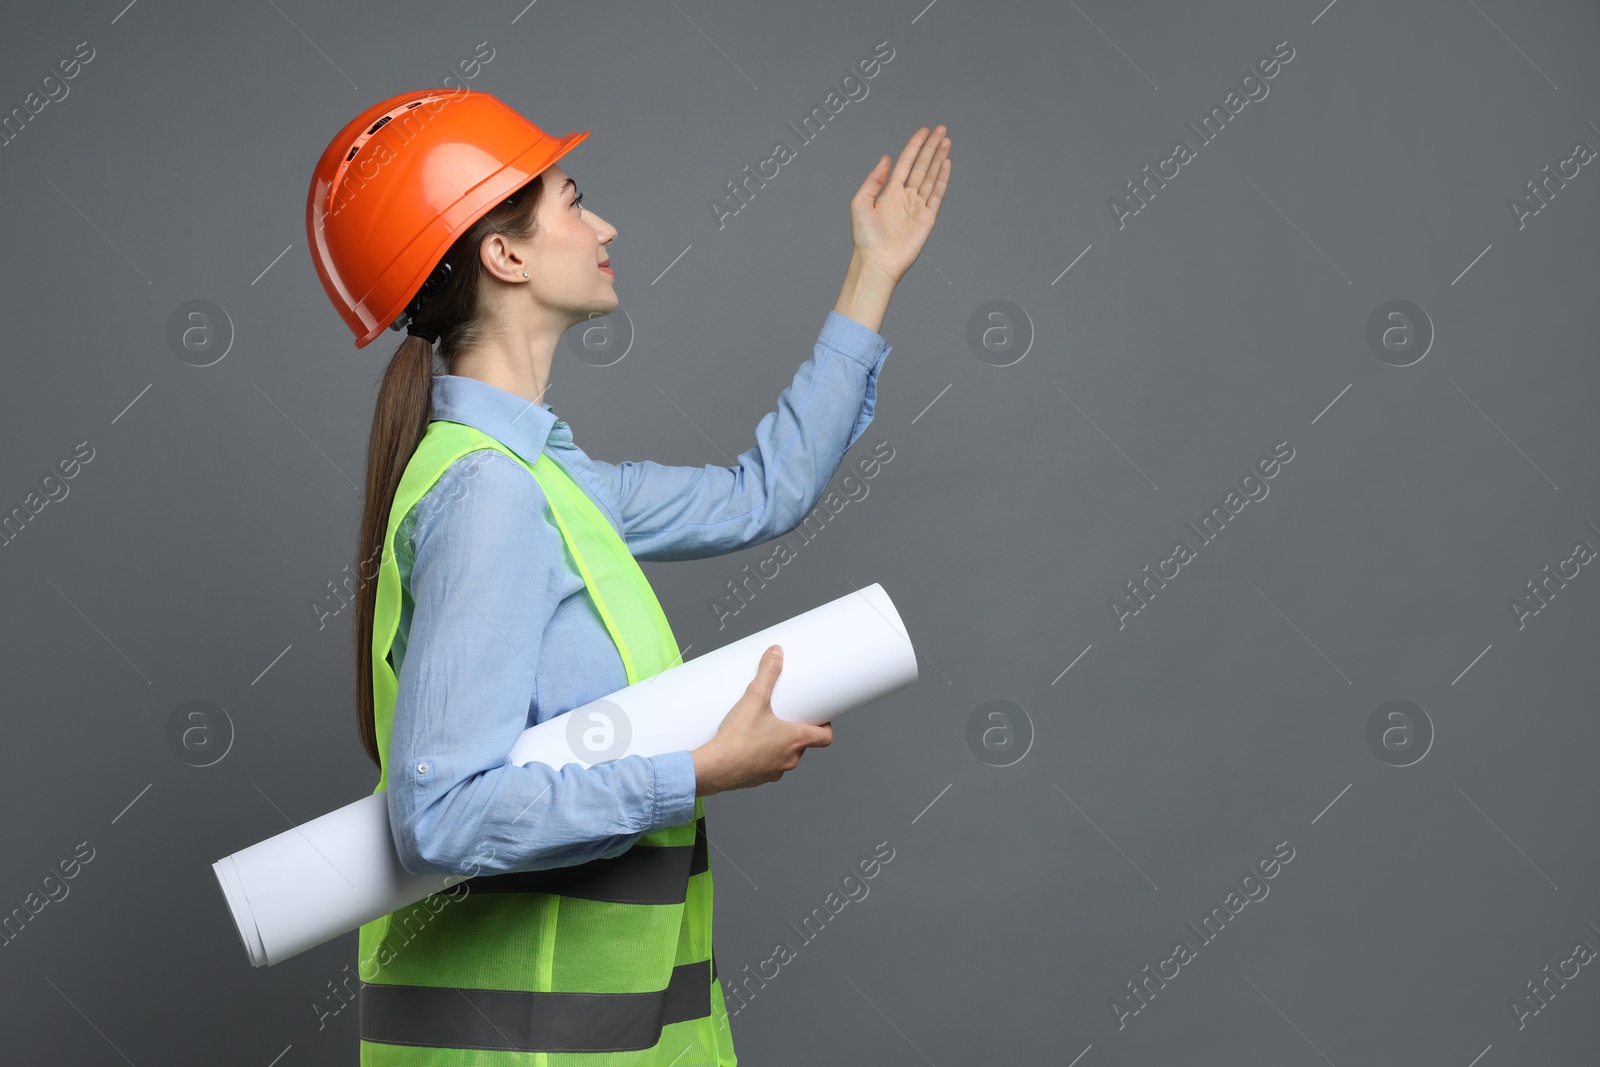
x=422 y=768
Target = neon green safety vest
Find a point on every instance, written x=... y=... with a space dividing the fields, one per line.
x=602 y=963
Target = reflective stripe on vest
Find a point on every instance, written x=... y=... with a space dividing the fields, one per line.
x=521 y=1022
x=601 y=963
x=638 y=876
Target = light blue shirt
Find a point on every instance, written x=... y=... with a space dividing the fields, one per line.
x=497 y=632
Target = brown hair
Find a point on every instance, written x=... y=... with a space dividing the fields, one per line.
x=404 y=408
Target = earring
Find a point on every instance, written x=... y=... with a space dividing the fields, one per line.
x=524 y=274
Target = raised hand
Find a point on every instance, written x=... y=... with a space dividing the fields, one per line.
x=893 y=212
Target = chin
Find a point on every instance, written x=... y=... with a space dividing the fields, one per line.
x=596 y=309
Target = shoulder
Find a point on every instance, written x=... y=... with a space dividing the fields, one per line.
x=485 y=551
x=484 y=494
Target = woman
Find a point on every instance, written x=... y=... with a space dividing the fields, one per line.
x=499 y=588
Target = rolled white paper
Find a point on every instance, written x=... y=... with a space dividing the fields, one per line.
x=836 y=658
x=328 y=876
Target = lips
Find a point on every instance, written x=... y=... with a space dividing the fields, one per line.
x=606 y=269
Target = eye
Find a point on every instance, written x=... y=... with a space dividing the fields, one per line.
x=577 y=200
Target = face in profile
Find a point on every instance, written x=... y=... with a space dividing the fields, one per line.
x=569 y=256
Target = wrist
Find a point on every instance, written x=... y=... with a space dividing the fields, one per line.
x=705 y=771
x=862 y=264
x=864 y=296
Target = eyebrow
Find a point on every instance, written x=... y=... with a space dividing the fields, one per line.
x=568 y=182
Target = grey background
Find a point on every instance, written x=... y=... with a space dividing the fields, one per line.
x=1227 y=316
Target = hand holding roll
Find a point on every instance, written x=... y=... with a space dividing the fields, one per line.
x=753 y=746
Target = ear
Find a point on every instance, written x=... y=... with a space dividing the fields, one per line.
x=501 y=258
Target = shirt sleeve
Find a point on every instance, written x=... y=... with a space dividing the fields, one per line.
x=673 y=513
x=484 y=584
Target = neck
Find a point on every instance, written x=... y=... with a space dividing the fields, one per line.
x=515 y=357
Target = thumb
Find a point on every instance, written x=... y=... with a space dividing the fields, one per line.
x=875 y=179
x=767 y=671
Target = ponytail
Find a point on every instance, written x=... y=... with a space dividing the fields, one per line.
x=399 y=419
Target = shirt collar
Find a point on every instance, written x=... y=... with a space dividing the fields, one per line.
x=514 y=421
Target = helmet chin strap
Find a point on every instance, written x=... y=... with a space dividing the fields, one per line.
x=430 y=288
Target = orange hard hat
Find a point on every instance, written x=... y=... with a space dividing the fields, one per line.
x=397 y=185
